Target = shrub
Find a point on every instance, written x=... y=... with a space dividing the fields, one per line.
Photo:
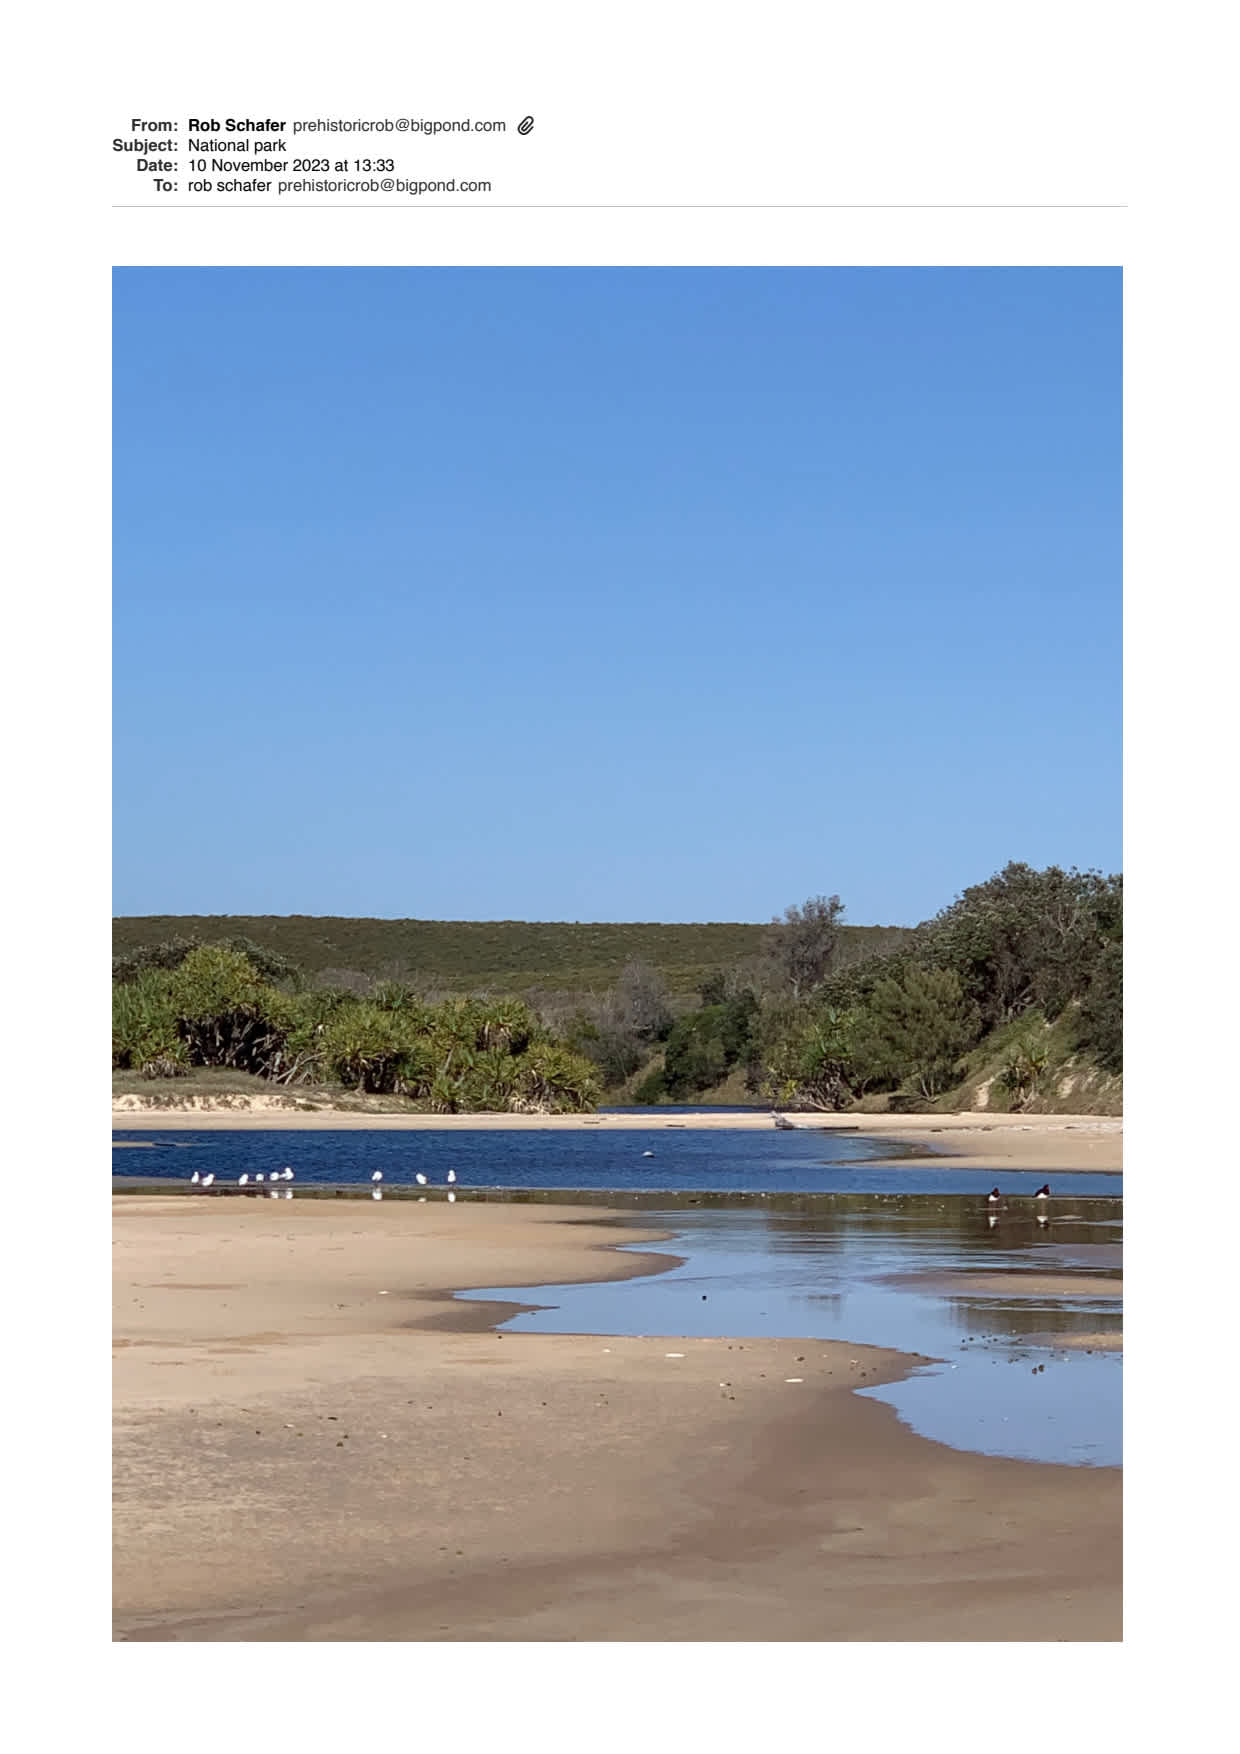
x=144 y=1027
x=919 y=1026
x=653 y=1087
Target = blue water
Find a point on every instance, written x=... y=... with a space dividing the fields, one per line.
x=792 y=1234
x=857 y=1271
x=719 y=1162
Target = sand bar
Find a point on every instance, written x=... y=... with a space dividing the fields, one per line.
x=1100 y=1342
x=315 y=1442
x=1017 y=1282
x=1038 y=1142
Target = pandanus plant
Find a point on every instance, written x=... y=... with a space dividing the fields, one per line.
x=551 y=1080
x=144 y=1031
x=1023 y=1072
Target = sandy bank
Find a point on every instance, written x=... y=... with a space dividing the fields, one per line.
x=1037 y=1142
x=1019 y=1282
x=313 y=1442
x=1100 y=1342
x=131 y=1112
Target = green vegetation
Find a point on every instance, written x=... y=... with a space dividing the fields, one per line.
x=701 y=1049
x=1028 y=964
x=470 y=956
x=1010 y=998
x=213 y=1009
x=918 y=1024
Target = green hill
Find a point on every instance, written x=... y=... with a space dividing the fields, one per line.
x=494 y=955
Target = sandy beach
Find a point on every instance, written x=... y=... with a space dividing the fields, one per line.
x=314 y=1441
x=1039 y=1142
x=1050 y=1142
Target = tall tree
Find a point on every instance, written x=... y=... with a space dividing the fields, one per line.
x=918 y=1026
x=802 y=943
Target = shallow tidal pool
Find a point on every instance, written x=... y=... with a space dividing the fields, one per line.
x=1023 y=1318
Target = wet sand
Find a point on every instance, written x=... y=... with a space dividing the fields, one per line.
x=1017 y=1282
x=1101 y=1342
x=314 y=1441
x=1039 y=1142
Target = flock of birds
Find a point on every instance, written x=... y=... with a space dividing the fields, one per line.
x=286 y=1175
x=419 y=1178
x=1042 y=1201
x=994 y=1198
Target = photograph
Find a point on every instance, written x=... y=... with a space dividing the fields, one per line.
x=557 y=707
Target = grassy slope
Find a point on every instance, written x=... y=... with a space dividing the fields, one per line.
x=1071 y=1084
x=500 y=956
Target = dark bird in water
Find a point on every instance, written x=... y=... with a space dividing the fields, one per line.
x=1044 y=1192
x=992 y=1197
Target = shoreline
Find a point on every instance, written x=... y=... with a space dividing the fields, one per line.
x=318 y=1440
x=1035 y=1142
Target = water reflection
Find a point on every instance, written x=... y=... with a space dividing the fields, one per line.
x=978 y=1317
x=1002 y=1310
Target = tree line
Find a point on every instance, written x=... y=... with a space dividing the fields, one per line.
x=804 y=1022
x=809 y=1028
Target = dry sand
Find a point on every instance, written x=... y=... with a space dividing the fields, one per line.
x=1037 y=1142
x=1049 y=1142
x=315 y=1442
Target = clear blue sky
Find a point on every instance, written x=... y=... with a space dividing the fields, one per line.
x=635 y=594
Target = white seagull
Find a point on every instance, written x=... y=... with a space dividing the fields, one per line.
x=195 y=1177
x=377 y=1176
x=420 y=1179
x=259 y=1176
x=451 y=1177
x=243 y=1179
x=288 y=1174
x=207 y=1180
